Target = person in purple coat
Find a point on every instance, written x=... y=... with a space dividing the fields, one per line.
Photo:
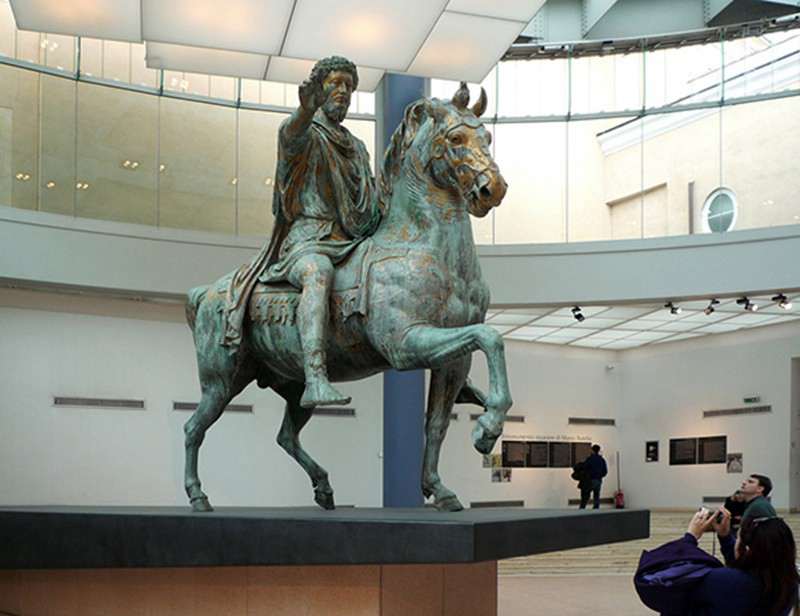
x=760 y=577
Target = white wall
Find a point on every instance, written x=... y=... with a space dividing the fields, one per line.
x=549 y=384
x=75 y=456
x=665 y=389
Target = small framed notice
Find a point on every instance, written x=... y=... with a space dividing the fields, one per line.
x=651 y=451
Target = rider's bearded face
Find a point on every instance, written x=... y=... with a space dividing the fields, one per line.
x=339 y=87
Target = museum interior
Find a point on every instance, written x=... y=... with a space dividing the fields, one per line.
x=642 y=269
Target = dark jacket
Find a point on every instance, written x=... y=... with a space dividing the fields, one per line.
x=679 y=578
x=597 y=466
x=581 y=474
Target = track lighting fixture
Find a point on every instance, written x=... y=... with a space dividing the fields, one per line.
x=576 y=312
x=710 y=308
x=748 y=305
x=673 y=309
x=782 y=301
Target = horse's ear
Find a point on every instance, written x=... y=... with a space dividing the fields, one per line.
x=414 y=117
x=480 y=106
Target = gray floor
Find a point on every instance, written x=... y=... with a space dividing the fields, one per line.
x=599 y=595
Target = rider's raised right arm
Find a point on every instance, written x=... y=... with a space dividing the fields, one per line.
x=312 y=96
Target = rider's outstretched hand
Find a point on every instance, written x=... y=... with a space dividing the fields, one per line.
x=311 y=93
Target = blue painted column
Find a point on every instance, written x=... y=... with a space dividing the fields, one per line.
x=403 y=392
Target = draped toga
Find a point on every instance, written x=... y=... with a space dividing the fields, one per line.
x=323 y=202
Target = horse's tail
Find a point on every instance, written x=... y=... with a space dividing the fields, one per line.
x=194 y=299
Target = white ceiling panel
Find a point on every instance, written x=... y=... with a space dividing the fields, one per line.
x=384 y=34
x=252 y=26
x=562 y=336
x=751 y=319
x=622 y=344
x=292 y=70
x=718 y=328
x=464 y=47
x=701 y=318
x=518 y=10
x=626 y=312
x=535 y=331
x=530 y=311
x=502 y=329
x=586 y=342
x=648 y=336
x=677 y=337
x=598 y=322
x=203 y=60
x=510 y=319
x=550 y=321
x=677 y=326
x=105 y=19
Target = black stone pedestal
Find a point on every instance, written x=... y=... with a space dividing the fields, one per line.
x=244 y=562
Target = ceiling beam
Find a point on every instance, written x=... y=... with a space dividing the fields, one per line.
x=593 y=11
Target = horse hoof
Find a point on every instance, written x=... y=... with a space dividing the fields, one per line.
x=483 y=439
x=324 y=500
x=201 y=505
x=449 y=503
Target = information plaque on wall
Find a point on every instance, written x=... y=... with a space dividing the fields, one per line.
x=683 y=451
x=560 y=455
x=580 y=451
x=515 y=454
x=651 y=451
x=538 y=456
x=712 y=450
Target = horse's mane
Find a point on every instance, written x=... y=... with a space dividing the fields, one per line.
x=401 y=140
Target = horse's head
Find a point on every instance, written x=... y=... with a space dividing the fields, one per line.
x=448 y=142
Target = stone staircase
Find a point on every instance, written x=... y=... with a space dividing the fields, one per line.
x=615 y=558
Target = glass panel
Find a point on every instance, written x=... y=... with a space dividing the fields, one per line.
x=198 y=150
x=589 y=217
x=8 y=30
x=57 y=185
x=628 y=81
x=681 y=167
x=273 y=93
x=19 y=137
x=258 y=146
x=117 y=61
x=760 y=150
x=522 y=90
x=366 y=102
x=140 y=74
x=761 y=65
x=251 y=91
x=29 y=46
x=590 y=84
x=117 y=137
x=175 y=80
x=532 y=158
x=222 y=87
x=690 y=74
x=197 y=84
x=92 y=57
x=621 y=145
x=59 y=51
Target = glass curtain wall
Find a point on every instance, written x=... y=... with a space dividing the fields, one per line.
x=107 y=146
x=639 y=145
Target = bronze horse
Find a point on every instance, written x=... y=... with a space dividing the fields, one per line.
x=410 y=296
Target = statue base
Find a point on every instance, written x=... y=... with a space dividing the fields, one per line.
x=371 y=562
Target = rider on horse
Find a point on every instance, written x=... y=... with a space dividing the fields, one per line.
x=324 y=205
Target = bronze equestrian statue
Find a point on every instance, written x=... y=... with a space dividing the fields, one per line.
x=358 y=279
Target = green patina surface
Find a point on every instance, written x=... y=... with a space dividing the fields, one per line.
x=359 y=278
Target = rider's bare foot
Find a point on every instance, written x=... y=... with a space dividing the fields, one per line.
x=322 y=393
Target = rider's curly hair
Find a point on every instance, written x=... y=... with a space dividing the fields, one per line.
x=334 y=63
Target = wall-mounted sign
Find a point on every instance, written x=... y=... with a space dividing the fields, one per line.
x=735 y=463
x=712 y=449
x=651 y=451
x=752 y=400
x=682 y=451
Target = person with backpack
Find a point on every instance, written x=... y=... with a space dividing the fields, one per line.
x=759 y=578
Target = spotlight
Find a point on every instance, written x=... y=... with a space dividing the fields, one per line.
x=782 y=301
x=576 y=312
x=50 y=184
x=162 y=167
x=748 y=305
x=673 y=309
x=710 y=308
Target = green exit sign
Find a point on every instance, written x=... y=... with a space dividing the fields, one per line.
x=752 y=399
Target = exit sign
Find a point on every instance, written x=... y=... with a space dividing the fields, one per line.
x=752 y=400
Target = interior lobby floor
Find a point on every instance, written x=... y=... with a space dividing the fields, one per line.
x=598 y=580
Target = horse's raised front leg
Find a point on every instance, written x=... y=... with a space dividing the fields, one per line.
x=294 y=418
x=446 y=383
x=433 y=347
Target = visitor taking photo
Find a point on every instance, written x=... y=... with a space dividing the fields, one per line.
x=759 y=577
